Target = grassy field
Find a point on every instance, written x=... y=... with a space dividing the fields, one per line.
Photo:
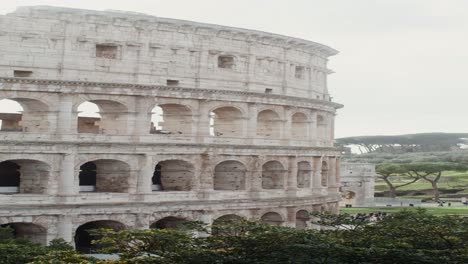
x=450 y=181
x=431 y=210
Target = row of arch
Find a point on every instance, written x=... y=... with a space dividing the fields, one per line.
x=82 y=237
x=112 y=117
x=109 y=175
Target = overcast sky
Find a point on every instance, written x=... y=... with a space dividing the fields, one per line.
x=402 y=67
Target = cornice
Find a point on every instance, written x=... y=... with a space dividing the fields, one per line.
x=144 y=87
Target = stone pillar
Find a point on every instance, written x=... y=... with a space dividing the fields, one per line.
x=255 y=169
x=252 y=121
x=286 y=134
x=292 y=174
x=146 y=173
x=291 y=217
x=317 y=178
x=206 y=173
x=331 y=175
x=313 y=128
x=67 y=175
x=141 y=222
x=141 y=117
x=202 y=122
x=67 y=119
x=64 y=228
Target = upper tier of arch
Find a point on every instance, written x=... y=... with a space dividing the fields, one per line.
x=67 y=44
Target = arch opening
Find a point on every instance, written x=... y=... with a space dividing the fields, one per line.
x=272 y=218
x=302 y=219
x=102 y=117
x=324 y=174
x=23 y=115
x=304 y=174
x=171 y=119
x=173 y=175
x=104 y=175
x=226 y=122
x=169 y=222
x=299 y=126
x=269 y=124
x=24 y=176
x=84 y=235
x=29 y=231
x=222 y=221
x=229 y=175
x=273 y=174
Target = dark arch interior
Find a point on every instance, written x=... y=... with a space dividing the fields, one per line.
x=88 y=172
x=169 y=222
x=32 y=232
x=84 y=236
x=9 y=174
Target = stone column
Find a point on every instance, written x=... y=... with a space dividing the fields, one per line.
x=317 y=178
x=286 y=134
x=255 y=170
x=202 y=122
x=67 y=119
x=65 y=228
x=141 y=117
x=292 y=174
x=252 y=122
x=291 y=217
x=313 y=128
x=67 y=175
x=206 y=172
x=331 y=175
x=338 y=172
x=145 y=175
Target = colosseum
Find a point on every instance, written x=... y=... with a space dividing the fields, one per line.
x=124 y=120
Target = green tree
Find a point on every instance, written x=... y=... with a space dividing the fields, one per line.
x=432 y=172
x=387 y=171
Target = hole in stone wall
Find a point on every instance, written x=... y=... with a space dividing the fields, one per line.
x=302 y=219
x=268 y=124
x=169 y=222
x=10 y=115
x=107 y=51
x=172 y=82
x=18 y=73
x=268 y=90
x=299 y=72
x=299 y=126
x=24 y=176
x=24 y=114
x=32 y=232
x=226 y=62
x=83 y=236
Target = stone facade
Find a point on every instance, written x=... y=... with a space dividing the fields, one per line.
x=357 y=183
x=194 y=121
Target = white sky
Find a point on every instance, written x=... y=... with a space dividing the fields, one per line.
x=403 y=63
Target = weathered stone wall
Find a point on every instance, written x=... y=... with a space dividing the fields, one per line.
x=195 y=122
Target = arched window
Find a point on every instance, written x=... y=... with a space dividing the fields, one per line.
x=229 y=175
x=102 y=117
x=32 y=232
x=273 y=174
x=299 y=126
x=217 y=228
x=304 y=174
x=268 y=124
x=84 y=235
x=87 y=177
x=272 y=218
x=169 y=222
x=226 y=122
x=105 y=175
x=171 y=119
x=302 y=219
x=321 y=127
x=24 y=114
x=24 y=176
x=173 y=175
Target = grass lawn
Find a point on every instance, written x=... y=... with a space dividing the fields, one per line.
x=431 y=210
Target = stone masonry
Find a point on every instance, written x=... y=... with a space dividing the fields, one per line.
x=192 y=122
